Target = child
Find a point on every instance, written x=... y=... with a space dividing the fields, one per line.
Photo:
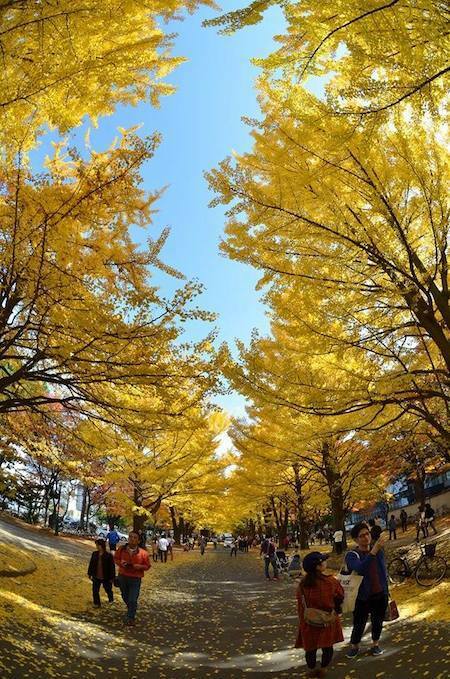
x=324 y=592
x=101 y=571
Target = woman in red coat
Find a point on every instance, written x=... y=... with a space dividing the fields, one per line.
x=323 y=592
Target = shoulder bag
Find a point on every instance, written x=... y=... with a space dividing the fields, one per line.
x=316 y=617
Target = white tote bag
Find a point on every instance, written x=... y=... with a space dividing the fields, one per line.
x=350 y=584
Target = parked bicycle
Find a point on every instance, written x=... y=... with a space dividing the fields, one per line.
x=429 y=569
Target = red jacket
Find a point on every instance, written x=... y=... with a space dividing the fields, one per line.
x=139 y=557
x=327 y=595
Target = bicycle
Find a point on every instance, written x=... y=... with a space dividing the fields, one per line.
x=428 y=571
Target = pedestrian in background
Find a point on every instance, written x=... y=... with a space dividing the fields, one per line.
x=392 y=527
x=113 y=539
x=404 y=520
x=429 y=518
x=163 y=545
x=101 y=571
x=338 y=537
x=421 y=523
x=268 y=551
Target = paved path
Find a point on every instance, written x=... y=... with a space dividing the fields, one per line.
x=211 y=616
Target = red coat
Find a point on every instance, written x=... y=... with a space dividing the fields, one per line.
x=139 y=557
x=327 y=594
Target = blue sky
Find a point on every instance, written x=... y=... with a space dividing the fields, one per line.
x=201 y=124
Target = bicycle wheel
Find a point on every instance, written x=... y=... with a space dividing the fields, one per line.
x=397 y=571
x=430 y=570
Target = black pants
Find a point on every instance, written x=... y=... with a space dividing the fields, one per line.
x=338 y=546
x=311 y=657
x=107 y=585
x=163 y=555
x=392 y=532
x=233 y=550
x=376 y=608
x=404 y=526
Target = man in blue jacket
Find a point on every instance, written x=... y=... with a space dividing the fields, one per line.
x=372 y=598
x=113 y=539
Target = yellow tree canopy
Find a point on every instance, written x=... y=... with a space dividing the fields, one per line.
x=350 y=232
x=63 y=60
x=373 y=55
x=80 y=315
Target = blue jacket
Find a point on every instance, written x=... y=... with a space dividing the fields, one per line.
x=360 y=563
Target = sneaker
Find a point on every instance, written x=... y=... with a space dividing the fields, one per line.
x=96 y=605
x=352 y=653
x=376 y=650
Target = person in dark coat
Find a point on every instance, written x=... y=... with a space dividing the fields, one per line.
x=317 y=590
x=101 y=571
x=367 y=559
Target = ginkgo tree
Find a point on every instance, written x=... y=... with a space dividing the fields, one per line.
x=62 y=61
x=349 y=229
x=372 y=56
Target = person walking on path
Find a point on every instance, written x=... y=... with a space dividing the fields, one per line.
x=372 y=597
x=132 y=561
x=338 y=537
x=318 y=591
x=392 y=527
x=421 y=523
x=233 y=548
x=404 y=520
x=268 y=550
x=429 y=518
x=113 y=539
x=202 y=544
x=155 y=549
x=163 y=545
x=170 y=544
x=101 y=571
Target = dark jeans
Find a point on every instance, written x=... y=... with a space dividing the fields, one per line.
x=233 y=550
x=311 y=657
x=267 y=561
x=129 y=589
x=163 y=555
x=375 y=606
x=404 y=526
x=107 y=585
x=392 y=532
x=338 y=546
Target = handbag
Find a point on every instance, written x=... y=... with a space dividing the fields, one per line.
x=350 y=584
x=391 y=611
x=316 y=617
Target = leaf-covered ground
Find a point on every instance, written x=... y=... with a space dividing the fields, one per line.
x=198 y=617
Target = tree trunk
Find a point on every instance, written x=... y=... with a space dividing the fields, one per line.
x=182 y=529
x=56 y=507
x=83 y=509
x=300 y=507
x=419 y=485
x=88 y=507
x=175 y=525
x=335 y=489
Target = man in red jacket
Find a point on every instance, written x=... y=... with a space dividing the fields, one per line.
x=132 y=561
